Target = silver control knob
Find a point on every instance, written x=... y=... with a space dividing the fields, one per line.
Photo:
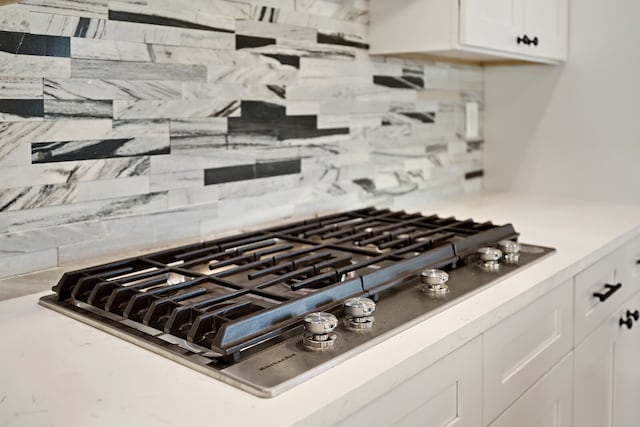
x=320 y=323
x=489 y=254
x=436 y=281
x=490 y=258
x=511 y=251
x=319 y=328
x=359 y=307
x=358 y=311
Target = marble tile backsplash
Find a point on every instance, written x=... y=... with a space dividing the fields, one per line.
x=135 y=123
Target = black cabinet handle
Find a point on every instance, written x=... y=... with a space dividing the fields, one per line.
x=611 y=289
x=628 y=322
x=526 y=40
x=631 y=316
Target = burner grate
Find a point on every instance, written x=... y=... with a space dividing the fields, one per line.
x=228 y=295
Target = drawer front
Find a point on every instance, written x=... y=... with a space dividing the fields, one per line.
x=519 y=350
x=547 y=404
x=630 y=265
x=614 y=278
x=445 y=394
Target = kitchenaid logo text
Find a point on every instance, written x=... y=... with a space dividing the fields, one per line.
x=288 y=356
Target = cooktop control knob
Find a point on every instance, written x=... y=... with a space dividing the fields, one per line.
x=359 y=311
x=490 y=258
x=436 y=281
x=319 y=328
x=511 y=251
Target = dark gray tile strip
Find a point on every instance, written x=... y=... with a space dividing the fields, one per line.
x=264 y=118
x=49 y=152
x=247 y=172
x=292 y=60
x=474 y=174
x=161 y=20
x=340 y=40
x=243 y=42
x=34 y=44
x=423 y=117
x=22 y=107
x=404 y=82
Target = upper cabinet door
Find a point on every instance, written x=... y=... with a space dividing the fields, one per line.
x=492 y=24
x=545 y=22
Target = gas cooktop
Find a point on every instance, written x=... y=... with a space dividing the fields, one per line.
x=265 y=310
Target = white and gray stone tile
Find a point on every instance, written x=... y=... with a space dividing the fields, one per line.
x=175 y=109
x=86 y=8
x=99 y=89
x=20 y=88
x=12 y=65
x=24 y=263
x=193 y=127
x=65 y=25
x=232 y=9
x=346 y=10
x=96 y=69
x=14 y=17
x=78 y=212
x=176 y=180
x=109 y=50
x=47 y=238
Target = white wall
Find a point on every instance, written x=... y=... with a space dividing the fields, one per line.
x=572 y=130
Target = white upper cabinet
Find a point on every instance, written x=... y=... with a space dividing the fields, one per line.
x=492 y=24
x=475 y=30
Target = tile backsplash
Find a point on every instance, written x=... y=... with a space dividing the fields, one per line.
x=136 y=123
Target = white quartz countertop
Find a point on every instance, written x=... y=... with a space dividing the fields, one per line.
x=58 y=371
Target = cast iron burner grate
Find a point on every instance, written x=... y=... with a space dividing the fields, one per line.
x=230 y=296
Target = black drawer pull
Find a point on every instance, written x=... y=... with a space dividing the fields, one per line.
x=628 y=322
x=611 y=289
x=631 y=316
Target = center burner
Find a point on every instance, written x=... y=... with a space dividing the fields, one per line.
x=265 y=310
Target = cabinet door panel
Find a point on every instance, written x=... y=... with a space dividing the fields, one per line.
x=593 y=380
x=626 y=380
x=546 y=20
x=447 y=393
x=492 y=24
x=629 y=271
x=520 y=349
x=547 y=404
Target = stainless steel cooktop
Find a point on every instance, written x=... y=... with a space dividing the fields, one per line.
x=265 y=310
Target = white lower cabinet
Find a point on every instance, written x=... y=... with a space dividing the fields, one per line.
x=520 y=349
x=547 y=404
x=447 y=393
x=607 y=372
